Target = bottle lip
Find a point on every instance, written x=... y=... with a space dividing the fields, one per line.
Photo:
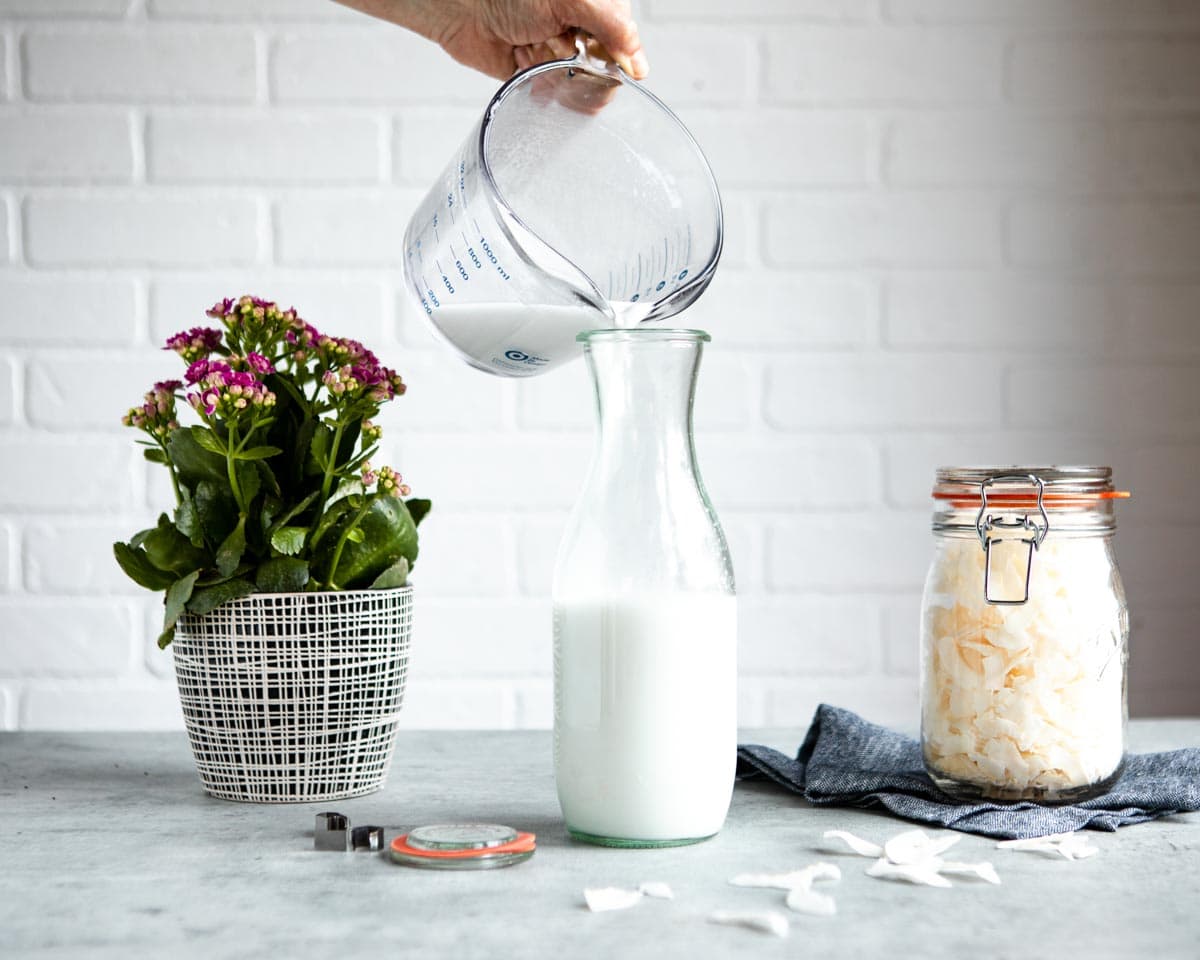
x=644 y=335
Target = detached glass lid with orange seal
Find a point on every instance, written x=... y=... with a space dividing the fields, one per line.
x=1024 y=634
x=462 y=846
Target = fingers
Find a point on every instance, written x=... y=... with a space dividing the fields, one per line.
x=610 y=23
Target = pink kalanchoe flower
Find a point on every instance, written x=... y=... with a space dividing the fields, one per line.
x=258 y=363
x=194 y=344
x=369 y=476
x=221 y=309
x=392 y=483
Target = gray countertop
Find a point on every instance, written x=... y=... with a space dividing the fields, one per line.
x=109 y=848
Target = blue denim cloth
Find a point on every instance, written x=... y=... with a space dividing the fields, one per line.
x=846 y=761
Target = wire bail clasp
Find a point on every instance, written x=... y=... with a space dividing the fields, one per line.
x=995 y=530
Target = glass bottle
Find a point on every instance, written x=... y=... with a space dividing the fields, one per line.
x=645 y=615
x=1024 y=635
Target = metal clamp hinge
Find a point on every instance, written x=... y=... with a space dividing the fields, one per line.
x=992 y=530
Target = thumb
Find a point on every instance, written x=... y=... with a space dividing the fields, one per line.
x=610 y=23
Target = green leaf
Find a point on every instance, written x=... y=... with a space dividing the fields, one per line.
x=216 y=510
x=249 y=480
x=289 y=540
x=207 y=599
x=347 y=488
x=139 y=569
x=388 y=534
x=155 y=455
x=168 y=549
x=193 y=462
x=204 y=438
x=282 y=575
x=268 y=478
x=178 y=595
x=318 y=449
x=355 y=535
x=418 y=509
x=394 y=576
x=257 y=453
x=140 y=537
x=230 y=552
x=187 y=522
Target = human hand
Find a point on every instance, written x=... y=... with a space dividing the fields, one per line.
x=498 y=37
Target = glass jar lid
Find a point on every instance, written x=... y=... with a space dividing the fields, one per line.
x=1019 y=486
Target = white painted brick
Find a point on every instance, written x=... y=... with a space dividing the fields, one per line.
x=44 y=638
x=762 y=309
x=511 y=473
x=140 y=705
x=913 y=460
x=198 y=64
x=883 y=391
x=899 y=229
x=251 y=10
x=1096 y=398
x=8 y=68
x=1162 y=675
x=537 y=549
x=1018 y=314
x=1147 y=554
x=785 y=473
x=67 y=311
x=66 y=475
x=425 y=139
x=1103 y=72
x=806 y=638
x=383 y=65
x=140 y=229
x=1103 y=238
x=8 y=390
x=1158 y=156
x=411 y=326
x=902 y=635
x=73 y=147
x=751 y=712
x=766 y=148
x=341 y=229
x=750 y=11
x=464 y=556
x=849 y=552
x=445 y=395
x=534 y=704
x=339 y=305
x=1162 y=478
x=288 y=148
x=8 y=569
x=435 y=704
x=64 y=8
x=6 y=231
x=876 y=64
x=77 y=559
x=890 y=701
x=69 y=393
x=565 y=399
x=1048 y=13
x=684 y=59
x=957 y=149
x=482 y=638
x=8 y=706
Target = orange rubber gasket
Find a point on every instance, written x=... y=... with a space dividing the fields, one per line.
x=1023 y=499
x=523 y=843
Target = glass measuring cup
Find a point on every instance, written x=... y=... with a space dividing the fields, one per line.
x=579 y=200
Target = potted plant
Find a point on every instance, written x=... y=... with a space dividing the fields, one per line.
x=285 y=563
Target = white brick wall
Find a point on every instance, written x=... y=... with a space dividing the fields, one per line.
x=957 y=231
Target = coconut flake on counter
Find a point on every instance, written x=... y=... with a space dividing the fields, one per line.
x=602 y=899
x=789 y=881
x=1069 y=846
x=914 y=856
x=764 y=921
x=1026 y=697
x=656 y=889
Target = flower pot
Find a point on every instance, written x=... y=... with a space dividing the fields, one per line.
x=294 y=697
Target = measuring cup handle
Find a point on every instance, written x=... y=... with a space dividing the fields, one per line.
x=594 y=56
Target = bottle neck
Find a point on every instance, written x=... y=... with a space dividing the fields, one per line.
x=645 y=384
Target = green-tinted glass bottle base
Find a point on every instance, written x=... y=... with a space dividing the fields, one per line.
x=633 y=844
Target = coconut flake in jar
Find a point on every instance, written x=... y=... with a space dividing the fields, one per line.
x=1024 y=698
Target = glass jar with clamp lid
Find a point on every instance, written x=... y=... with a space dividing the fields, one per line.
x=1024 y=635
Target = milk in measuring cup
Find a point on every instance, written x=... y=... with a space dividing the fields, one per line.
x=634 y=680
x=517 y=340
